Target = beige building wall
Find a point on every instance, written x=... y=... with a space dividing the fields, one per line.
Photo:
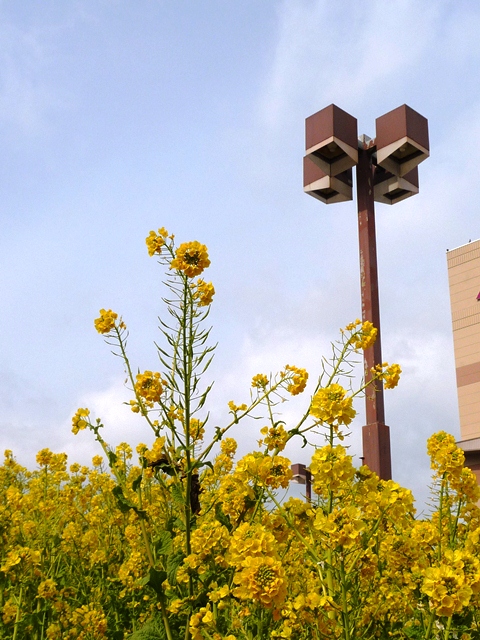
x=464 y=282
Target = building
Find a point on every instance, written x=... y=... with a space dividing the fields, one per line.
x=464 y=283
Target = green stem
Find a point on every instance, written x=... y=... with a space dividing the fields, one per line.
x=345 y=616
x=166 y=624
x=132 y=381
x=440 y=518
x=146 y=540
x=430 y=626
x=17 y=616
x=447 y=629
x=330 y=584
x=187 y=374
x=151 y=562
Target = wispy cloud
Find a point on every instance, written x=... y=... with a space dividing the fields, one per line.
x=343 y=52
x=25 y=95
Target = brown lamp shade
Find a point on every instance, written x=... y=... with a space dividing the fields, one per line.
x=327 y=189
x=299 y=473
x=401 y=140
x=390 y=189
x=331 y=140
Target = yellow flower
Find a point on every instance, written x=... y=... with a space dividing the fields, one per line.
x=445 y=456
x=149 y=386
x=261 y=579
x=331 y=468
x=134 y=406
x=275 y=437
x=106 y=322
x=9 y=611
x=47 y=589
x=175 y=606
x=156 y=452
x=298 y=381
x=220 y=593
x=234 y=408
x=191 y=258
x=228 y=446
x=446 y=589
x=367 y=337
x=352 y=326
x=45 y=456
x=363 y=336
x=259 y=381
x=272 y=471
x=78 y=421
x=124 y=451
x=204 y=293
x=391 y=376
x=331 y=406
x=197 y=430
x=155 y=241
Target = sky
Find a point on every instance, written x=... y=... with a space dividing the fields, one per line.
x=118 y=117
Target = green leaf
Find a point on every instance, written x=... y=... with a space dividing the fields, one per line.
x=177 y=495
x=112 y=458
x=136 y=483
x=163 y=544
x=155 y=580
x=153 y=630
x=222 y=518
x=124 y=505
x=173 y=562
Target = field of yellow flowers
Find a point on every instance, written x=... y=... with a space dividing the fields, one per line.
x=178 y=539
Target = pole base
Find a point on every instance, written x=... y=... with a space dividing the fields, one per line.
x=376 y=449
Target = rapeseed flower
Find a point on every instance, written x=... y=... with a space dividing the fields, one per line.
x=261 y=579
x=78 y=421
x=259 y=381
x=191 y=258
x=363 y=335
x=149 y=386
x=332 y=406
x=106 y=322
x=204 y=293
x=156 y=241
x=298 y=380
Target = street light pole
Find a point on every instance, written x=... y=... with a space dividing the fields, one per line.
x=387 y=171
x=375 y=434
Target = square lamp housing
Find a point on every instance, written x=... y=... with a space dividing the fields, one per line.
x=299 y=473
x=327 y=189
x=331 y=140
x=401 y=140
x=390 y=189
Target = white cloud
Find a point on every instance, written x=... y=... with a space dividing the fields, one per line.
x=26 y=97
x=343 y=53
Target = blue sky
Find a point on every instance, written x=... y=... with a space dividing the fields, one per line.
x=119 y=117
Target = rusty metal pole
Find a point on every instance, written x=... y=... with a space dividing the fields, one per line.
x=308 y=485
x=375 y=434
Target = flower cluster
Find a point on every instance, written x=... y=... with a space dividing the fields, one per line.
x=389 y=373
x=259 y=381
x=297 y=381
x=274 y=437
x=332 y=406
x=106 y=322
x=156 y=241
x=149 y=386
x=184 y=542
x=191 y=258
x=204 y=292
x=363 y=334
x=78 y=420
